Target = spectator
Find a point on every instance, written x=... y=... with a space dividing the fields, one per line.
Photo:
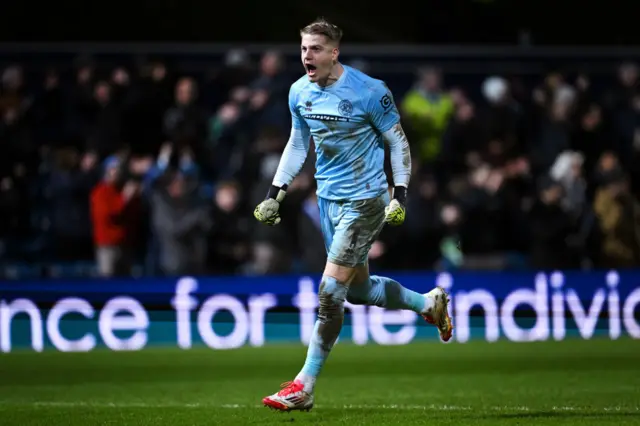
x=463 y=141
x=14 y=211
x=13 y=95
x=618 y=212
x=70 y=185
x=553 y=127
x=229 y=235
x=591 y=138
x=115 y=211
x=51 y=111
x=81 y=102
x=269 y=97
x=16 y=130
x=180 y=221
x=104 y=125
x=149 y=99
x=185 y=122
x=428 y=110
x=551 y=227
x=424 y=226
x=624 y=89
x=567 y=171
x=483 y=233
x=504 y=116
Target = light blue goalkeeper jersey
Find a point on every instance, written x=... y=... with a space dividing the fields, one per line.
x=346 y=121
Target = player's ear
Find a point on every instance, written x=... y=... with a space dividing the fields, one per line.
x=334 y=54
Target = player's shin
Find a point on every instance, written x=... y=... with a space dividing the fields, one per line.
x=387 y=293
x=331 y=295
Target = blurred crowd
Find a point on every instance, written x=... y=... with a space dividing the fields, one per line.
x=143 y=171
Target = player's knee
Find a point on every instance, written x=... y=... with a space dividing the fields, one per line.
x=331 y=297
x=332 y=291
x=343 y=274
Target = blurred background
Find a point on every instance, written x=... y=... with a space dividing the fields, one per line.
x=136 y=141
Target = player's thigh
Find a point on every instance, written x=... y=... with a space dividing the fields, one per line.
x=328 y=211
x=361 y=274
x=354 y=277
x=359 y=226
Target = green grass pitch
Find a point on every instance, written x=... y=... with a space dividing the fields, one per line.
x=576 y=382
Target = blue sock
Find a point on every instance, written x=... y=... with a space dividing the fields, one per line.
x=386 y=293
x=331 y=296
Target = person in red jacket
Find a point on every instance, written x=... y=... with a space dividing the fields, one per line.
x=114 y=211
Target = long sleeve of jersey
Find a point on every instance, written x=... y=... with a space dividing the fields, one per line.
x=400 y=155
x=293 y=157
x=386 y=118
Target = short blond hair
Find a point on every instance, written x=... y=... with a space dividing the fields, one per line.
x=323 y=27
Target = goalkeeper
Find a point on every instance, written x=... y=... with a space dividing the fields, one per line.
x=348 y=114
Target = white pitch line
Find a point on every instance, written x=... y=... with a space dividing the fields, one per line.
x=400 y=407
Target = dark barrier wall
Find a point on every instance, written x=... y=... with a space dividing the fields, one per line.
x=224 y=313
x=463 y=21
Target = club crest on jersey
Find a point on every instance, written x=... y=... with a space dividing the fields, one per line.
x=345 y=108
x=307 y=106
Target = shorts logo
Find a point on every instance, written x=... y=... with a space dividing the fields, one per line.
x=345 y=107
x=386 y=102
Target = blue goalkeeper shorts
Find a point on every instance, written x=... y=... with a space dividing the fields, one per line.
x=351 y=227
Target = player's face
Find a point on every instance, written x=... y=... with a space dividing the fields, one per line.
x=318 y=56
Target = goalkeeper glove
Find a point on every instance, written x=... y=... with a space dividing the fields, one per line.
x=267 y=211
x=395 y=212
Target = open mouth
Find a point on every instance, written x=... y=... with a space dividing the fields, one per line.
x=311 y=69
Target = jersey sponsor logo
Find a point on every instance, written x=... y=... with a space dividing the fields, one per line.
x=326 y=117
x=386 y=102
x=345 y=107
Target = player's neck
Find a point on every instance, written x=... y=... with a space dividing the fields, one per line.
x=334 y=75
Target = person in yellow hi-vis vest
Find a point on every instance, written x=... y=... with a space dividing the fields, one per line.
x=427 y=109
